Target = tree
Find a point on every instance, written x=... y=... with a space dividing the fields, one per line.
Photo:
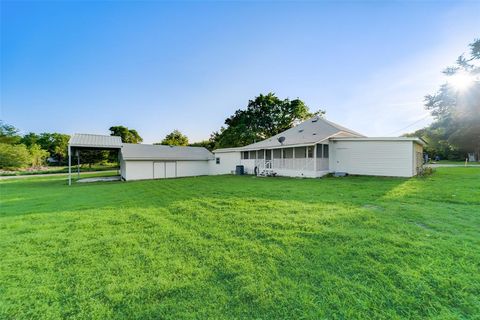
x=207 y=144
x=13 y=156
x=265 y=116
x=456 y=106
x=175 y=138
x=38 y=156
x=30 y=139
x=127 y=135
x=91 y=157
x=56 y=144
x=9 y=134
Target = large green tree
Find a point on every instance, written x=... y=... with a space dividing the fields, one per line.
x=456 y=108
x=264 y=116
x=127 y=135
x=56 y=144
x=175 y=138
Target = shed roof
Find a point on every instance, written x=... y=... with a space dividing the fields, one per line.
x=95 y=141
x=132 y=151
x=311 y=131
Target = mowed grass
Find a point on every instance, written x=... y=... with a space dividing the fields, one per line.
x=230 y=247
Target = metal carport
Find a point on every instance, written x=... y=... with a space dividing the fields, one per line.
x=91 y=142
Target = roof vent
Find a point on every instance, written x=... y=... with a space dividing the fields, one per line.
x=314 y=133
x=301 y=130
x=315 y=119
x=281 y=139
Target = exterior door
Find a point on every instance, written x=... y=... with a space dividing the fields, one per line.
x=170 y=169
x=342 y=159
x=158 y=170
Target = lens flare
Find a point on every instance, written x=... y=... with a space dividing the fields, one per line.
x=461 y=81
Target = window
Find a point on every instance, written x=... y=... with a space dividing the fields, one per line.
x=300 y=152
x=217 y=160
x=245 y=154
x=325 y=150
x=310 y=151
x=260 y=154
x=253 y=155
x=319 y=150
x=288 y=153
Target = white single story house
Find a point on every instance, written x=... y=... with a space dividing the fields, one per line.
x=317 y=147
x=311 y=149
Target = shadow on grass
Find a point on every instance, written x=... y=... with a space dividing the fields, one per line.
x=51 y=194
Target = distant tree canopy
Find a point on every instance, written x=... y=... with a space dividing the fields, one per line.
x=127 y=135
x=175 y=138
x=456 y=108
x=55 y=143
x=207 y=144
x=9 y=134
x=264 y=116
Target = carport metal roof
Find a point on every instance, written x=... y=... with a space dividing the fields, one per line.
x=95 y=141
x=90 y=141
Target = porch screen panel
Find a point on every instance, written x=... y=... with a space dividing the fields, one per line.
x=277 y=153
x=300 y=152
x=319 y=150
x=288 y=153
x=268 y=154
x=310 y=151
x=252 y=155
x=325 y=150
x=260 y=154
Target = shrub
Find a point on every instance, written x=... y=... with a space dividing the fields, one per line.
x=14 y=156
x=38 y=156
x=426 y=171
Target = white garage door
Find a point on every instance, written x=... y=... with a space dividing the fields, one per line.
x=164 y=169
x=158 y=170
x=170 y=169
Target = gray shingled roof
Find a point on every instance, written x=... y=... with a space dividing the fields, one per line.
x=95 y=141
x=159 y=152
x=310 y=131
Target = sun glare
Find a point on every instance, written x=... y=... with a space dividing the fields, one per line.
x=461 y=81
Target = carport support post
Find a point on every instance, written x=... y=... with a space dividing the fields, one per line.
x=69 y=166
x=78 y=163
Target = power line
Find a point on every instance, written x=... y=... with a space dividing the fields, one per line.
x=413 y=123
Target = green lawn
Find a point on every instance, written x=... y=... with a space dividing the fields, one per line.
x=242 y=247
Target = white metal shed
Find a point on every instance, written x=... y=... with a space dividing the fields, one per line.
x=142 y=161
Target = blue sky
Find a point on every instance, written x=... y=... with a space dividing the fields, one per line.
x=157 y=66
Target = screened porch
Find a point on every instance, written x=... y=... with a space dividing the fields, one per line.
x=303 y=158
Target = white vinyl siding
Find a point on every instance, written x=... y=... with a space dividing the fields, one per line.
x=378 y=158
x=142 y=170
x=228 y=162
